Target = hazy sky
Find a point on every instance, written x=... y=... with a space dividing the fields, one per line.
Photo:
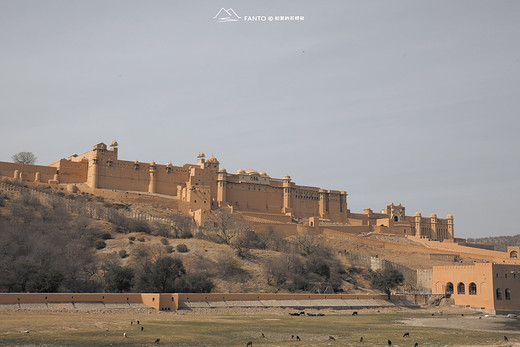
x=392 y=101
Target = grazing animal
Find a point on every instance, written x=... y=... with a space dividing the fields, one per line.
x=433 y=314
x=106 y=329
x=389 y=342
x=478 y=318
x=142 y=328
x=157 y=340
x=124 y=334
x=26 y=331
x=332 y=338
x=249 y=344
x=263 y=336
x=132 y=323
x=302 y=313
x=361 y=339
x=137 y=322
x=354 y=313
x=298 y=338
x=505 y=338
x=294 y=314
x=416 y=344
x=406 y=335
x=321 y=314
x=292 y=337
x=462 y=315
x=311 y=314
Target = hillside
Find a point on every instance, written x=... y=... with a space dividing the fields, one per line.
x=54 y=240
x=500 y=242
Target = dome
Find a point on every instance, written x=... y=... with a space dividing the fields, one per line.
x=252 y=172
x=152 y=163
x=222 y=170
x=200 y=155
x=417 y=214
x=433 y=215
x=241 y=171
x=286 y=177
x=212 y=159
x=136 y=162
x=169 y=164
x=114 y=144
x=262 y=173
x=449 y=216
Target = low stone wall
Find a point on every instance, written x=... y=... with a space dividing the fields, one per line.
x=175 y=301
x=420 y=279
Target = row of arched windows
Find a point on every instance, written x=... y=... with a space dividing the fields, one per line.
x=507 y=293
x=461 y=288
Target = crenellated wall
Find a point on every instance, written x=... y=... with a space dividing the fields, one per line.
x=25 y=172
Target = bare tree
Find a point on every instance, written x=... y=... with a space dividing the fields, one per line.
x=222 y=226
x=24 y=158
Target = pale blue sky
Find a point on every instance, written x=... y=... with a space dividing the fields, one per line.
x=392 y=101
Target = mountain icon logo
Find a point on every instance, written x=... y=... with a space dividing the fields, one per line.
x=228 y=15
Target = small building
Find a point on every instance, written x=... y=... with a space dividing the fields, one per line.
x=489 y=286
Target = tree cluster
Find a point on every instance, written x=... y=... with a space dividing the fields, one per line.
x=385 y=280
x=42 y=249
x=153 y=272
x=306 y=263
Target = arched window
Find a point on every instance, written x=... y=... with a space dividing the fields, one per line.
x=461 y=289
x=513 y=254
x=472 y=289
x=499 y=294
x=449 y=288
x=508 y=294
x=396 y=219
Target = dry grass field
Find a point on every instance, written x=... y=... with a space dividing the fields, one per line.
x=236 y=328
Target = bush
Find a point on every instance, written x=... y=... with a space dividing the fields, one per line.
x=182 y=248
x=106 y=236
x=161 y=229
x=100 y=244
x=185 y=234
x=131 y=238
x=164 y=241
x=139 y=226
x=141 y=239
x=123 y=253
x=169 y=249
x=195 y=284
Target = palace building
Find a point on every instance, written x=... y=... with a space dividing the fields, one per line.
x=204 y=186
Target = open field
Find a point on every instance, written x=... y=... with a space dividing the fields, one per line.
x=221 y=328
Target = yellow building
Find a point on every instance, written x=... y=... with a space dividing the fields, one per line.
x=488 y=286
x=204 y=186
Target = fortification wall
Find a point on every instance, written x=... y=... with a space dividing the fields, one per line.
x=418 y=279
x=351 y=229
x=254 y=197
x=71 y=171
x=28 y=172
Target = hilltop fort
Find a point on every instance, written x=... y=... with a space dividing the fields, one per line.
x=199 y=188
